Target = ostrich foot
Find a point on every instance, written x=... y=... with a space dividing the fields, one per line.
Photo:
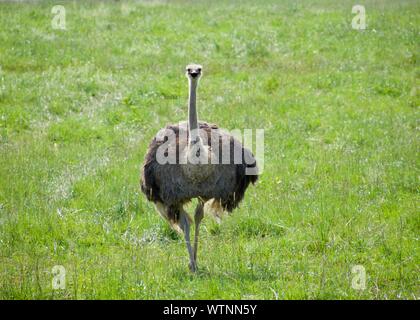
x=193 y=266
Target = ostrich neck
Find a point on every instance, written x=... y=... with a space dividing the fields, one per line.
x=192 y=112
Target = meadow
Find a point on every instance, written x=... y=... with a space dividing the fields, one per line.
x=340 y=110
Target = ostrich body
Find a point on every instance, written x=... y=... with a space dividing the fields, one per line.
x=221 y=184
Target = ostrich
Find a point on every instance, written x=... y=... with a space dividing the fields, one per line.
x=220 y=186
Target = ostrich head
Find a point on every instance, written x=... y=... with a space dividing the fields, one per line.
x=193 y=71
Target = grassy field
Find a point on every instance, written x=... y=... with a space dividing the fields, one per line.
x=340 y=109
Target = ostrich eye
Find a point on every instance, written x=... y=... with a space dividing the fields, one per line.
x=189 y=70
x=199 y=69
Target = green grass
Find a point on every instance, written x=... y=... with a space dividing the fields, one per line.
x=340 y=109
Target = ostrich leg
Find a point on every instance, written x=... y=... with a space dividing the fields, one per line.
x=199 y=213
x=185 y=224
